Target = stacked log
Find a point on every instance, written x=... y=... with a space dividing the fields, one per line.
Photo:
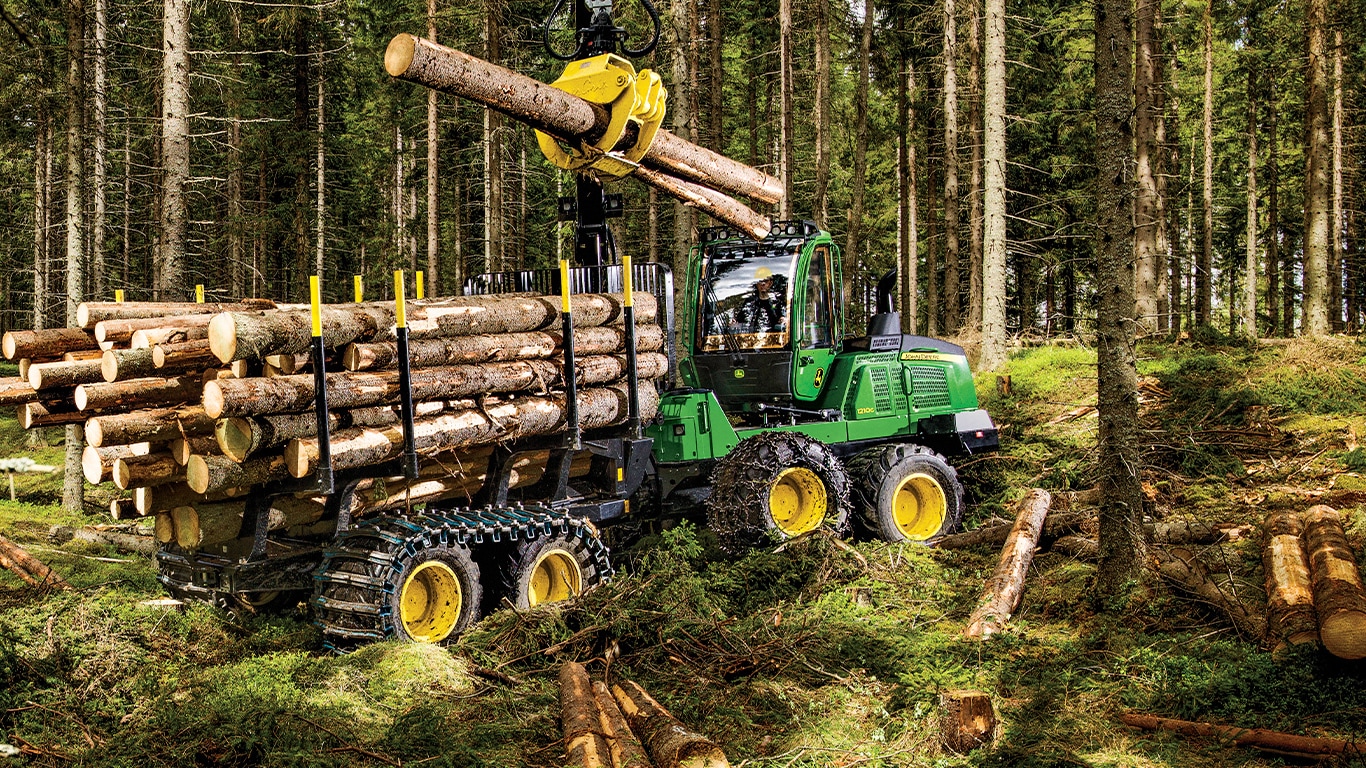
x=192 y=409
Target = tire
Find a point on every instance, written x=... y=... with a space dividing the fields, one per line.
x=776 y=485
x=550 y=569
x=396 y=578
x=906 y=493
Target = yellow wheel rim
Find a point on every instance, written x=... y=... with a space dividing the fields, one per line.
x=554 y=576
x=797 y=501
x=430 y=602
x=919 y=507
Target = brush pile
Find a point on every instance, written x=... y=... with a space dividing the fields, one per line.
x=192 y=408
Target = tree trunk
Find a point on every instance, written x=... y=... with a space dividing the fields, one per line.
x=73 y=488
x=787 y=145
x=1250 y=260
x=856 y=194
x=820 y=203
x=1006 y=585
x=1317 y=160
x=424 y=353
x=994 y=265
x=1121 y=515
x=1339 y=598
x=584 y=739
x=951 y=308
x=716 y=112
x=968 y=720
x=137 y=393
x=1146 y=151
x=1161 y=168
x=976 y=95
x=669 y=742
x=511 y=420
x=236 y=213
x=1278 y=292
x=908 y=239
x=42 y=190
x=155 y=426
x=1336 y=243
x=1204 y=271
x=99 y=156
x=320 y=232
x=433 y=198
x=680 y=99
x=175 y=144
x=1289 y=590
x=493 y=152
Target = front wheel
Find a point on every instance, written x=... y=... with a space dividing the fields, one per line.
x=907 y=493
x=776 y=484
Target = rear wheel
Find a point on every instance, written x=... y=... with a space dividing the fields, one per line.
x=906 y=493
x=776 y=484
x=550 y=569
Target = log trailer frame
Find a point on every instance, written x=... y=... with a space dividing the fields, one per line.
x=783 y=426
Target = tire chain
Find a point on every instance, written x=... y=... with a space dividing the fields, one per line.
x=744 y=474
x=869 y=470
x=353 y=608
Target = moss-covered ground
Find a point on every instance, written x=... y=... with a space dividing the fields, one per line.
x=814 y=656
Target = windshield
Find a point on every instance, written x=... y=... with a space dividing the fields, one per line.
x=745 y=297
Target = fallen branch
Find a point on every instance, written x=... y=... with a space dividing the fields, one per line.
x=1006 y=585
x=1054 y=527
x=1182 y=568
x=1258 y=738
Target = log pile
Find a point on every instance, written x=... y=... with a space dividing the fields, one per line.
x=626 y=728
x=193 y=408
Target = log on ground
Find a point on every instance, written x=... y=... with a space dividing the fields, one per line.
x=149 y=426
x=1006 y=585
x=1289 y=744
x=1290 y=618
x=46 y=344
x=584 y=741
x=1182 y=568
x=627 y=751
x=1339 y=599
x=36 y=568
x=668 y=741
x=1054 y=527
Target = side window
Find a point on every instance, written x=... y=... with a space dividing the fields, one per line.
x=816 y=317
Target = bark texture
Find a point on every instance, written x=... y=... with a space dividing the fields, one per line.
x=1006 y=585
x=1339 y=598
x=1289 y=592
x=669 y=742
x=584 y=739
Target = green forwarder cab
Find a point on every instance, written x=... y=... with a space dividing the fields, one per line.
x=784 y=417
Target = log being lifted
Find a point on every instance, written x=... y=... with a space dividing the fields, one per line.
x=153 y=426
x=511 y=420
x=90 y=313
x=288 y=394
x=1258 y=738
x=1289 y=592
x=559 y=114
x=1006 y=585
x=669 y=742
x=498 y=348
x=585 y=743
x=242 y=335
x=46 y=344
x=715 y=204
x=1339 y=598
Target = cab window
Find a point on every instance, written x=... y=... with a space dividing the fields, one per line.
x=817 y=319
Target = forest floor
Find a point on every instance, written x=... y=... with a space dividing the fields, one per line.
x=814 y=656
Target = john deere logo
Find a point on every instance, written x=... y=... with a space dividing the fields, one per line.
x=820 y=376
x=739 y=373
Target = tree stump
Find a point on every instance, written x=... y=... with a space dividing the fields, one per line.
x=967 y=722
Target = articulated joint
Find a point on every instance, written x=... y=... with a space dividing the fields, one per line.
x=629 y=96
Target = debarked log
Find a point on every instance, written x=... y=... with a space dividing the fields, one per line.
x=1289 y=591
x=1006 y=585
x=511 y=420
x=584 y=741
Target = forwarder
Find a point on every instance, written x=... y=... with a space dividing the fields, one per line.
x=785 y=423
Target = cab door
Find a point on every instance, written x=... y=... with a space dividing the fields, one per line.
x=815 y=330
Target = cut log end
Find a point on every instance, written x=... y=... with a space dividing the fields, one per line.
x=399 y=55
x=1344 y=635
x=235 y=438
x=223 y=337
x=213 y=399
x=197 y=474
x=8 y=346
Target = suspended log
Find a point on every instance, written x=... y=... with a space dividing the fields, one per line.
x=1276 y=742
x=62 y=374
x=1339 y=599
x=567 y=117
x=16 y=391
x=489 y=348
x=1006 y=585
x=718 y=205
x=346 y=389
x=157 y=329
x=46 y=344
x=1054 y=526
x=97 y=464
x=183 y=448
x=151 y=426
x=510 y=420
x=189 y=355
x=36 y=568
x=90 y=313
x=1184 y=569
x=146 y=471
x=584 y=740
x=967 y=720
x=49 y=413
x=205 y=525
x=125 y=364
x=152 y=392
x=669 y=742
x=1290 y=615
x=213 y=474
x=627 y=751
x=242 y=335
